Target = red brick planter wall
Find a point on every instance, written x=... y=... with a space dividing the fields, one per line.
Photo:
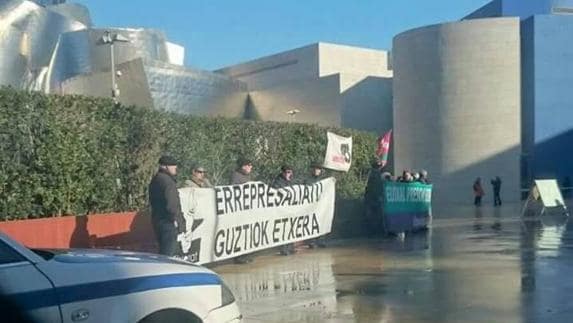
x=127 y=231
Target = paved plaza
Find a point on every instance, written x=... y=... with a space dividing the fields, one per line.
x=473 y=265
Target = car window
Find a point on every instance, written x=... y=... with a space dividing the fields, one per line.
x=9 y=255
x=46 y=254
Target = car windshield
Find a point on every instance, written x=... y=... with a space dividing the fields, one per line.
x=44 y=253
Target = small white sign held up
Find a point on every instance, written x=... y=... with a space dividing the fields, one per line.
x=547 y=193
x=338 y=152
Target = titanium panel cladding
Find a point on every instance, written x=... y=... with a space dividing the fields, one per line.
x=38 y=31
x=73 y=11
x=82 y=51
x=188 y=91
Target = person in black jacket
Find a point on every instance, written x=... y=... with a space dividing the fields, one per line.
x=284 y=179
x=166 y=215
x=374 y=221
x=316 y=175
x=242 y=175
x=496 y=184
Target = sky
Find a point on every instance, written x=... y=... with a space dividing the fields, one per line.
x=219 y=33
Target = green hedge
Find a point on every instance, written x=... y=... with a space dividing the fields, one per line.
x=76 y=155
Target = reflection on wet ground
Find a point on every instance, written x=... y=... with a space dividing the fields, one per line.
x=473 y=265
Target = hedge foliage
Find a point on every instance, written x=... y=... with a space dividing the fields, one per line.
x=77 y=155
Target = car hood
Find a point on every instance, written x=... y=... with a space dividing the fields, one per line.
x=107 y=256
x=75 y=266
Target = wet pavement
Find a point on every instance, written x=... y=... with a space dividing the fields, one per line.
x=484 y=265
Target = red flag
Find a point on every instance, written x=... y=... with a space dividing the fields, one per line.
x=384 y=147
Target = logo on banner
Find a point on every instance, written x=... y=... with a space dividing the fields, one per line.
x=345 y=151
x=190 y=247
x=194 y=251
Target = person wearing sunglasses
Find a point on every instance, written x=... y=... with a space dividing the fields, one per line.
x=198 y=177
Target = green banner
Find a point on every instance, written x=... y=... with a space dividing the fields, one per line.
x=410 y=198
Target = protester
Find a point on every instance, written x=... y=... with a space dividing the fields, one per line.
x=478 y=192
x=374 y=223
x=387 y=177
x=166 y=215
x=406 y=177
x=496 y=183
x=283 y=179
x=316 y=174
x=198 y=178
x=242 y=175
x=424 y=177
x=399 y=178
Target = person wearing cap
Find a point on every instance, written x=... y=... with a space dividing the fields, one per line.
x=242 y=175
x=284 y=179
x=316 y=173
x=166 y=215
x=198 y=178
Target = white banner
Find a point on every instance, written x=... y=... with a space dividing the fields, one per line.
x=228 y=221
x=338 y=152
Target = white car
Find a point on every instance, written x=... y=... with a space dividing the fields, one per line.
x=111 y=286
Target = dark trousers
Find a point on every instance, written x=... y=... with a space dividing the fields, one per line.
x=287 y=249
x=496 y=199
x=316 y=242
x=167 y=239
x=244 y=258
x=374 y=224
x=477 y=200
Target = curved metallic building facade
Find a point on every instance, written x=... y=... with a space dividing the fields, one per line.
x=457 y=105
x=50 y=46
x=82 y=52
x=191 y=91
x=73 y=11
x=166 y=87
x=29 y=34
